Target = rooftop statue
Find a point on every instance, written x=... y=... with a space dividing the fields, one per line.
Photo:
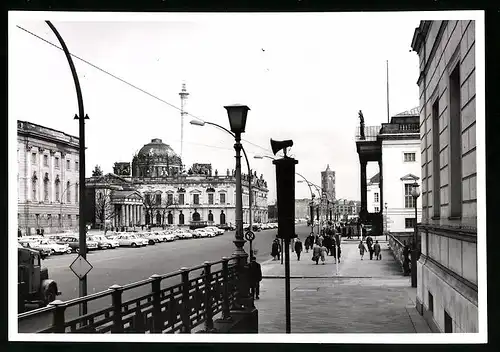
x=361 y=124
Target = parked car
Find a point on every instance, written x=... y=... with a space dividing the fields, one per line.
x=74 y=243
x=185 y=234
x=131 y=240
x=149 y=236
x=31 y=244
x=103 y=242
x=52 y=246
x=165 y=236
x=228 y=227
x=217 y=230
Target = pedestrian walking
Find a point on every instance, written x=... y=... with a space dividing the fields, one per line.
x=327 y=242
x=362 y=249
x=369 y=243
x=323 y=254
x=298 y=247
x=275 y=250
x=316 y=252
x=255 y=277
x=376 y=249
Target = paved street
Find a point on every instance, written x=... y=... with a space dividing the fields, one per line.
x=365 y=297
x=126 y=265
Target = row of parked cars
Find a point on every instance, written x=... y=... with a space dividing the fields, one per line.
x=70 y=243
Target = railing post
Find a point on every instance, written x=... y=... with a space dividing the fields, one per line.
x=20 y=299
x=225 y=289
x=116 y=299
x=186 y=306
x=58 y=318
x=157 y=316
x=209 y=323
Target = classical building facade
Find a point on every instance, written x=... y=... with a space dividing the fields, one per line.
x=395 y=146
x=373 y=194
x=346 y=209
x=47 y=179
x=156 y=191
x=447 y=269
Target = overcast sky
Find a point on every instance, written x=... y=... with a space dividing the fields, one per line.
x=304 y=76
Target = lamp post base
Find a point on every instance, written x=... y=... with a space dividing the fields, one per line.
x=414 y=268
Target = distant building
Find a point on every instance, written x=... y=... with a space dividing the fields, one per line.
x=272 y=212
x=447 y=270
x=328 y=183
x=47 y=179
x=157 y=191
x=302 y=208
x=395 y=146
x=373 y=194
x=346 y=209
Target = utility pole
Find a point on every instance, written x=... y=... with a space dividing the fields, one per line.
x=387 y=66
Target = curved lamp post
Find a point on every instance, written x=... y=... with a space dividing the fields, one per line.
x=82 y=117
x=309 y=184
x=415 y=192
x=237 y=119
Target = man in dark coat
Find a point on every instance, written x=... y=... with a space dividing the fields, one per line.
x=327 y=242
x=298 y=247
x=255 y=277
x=369 y=243
x=275 y=250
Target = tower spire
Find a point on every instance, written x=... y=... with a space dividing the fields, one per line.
x=184 y=95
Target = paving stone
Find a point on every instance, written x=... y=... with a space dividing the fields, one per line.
x=366 y=297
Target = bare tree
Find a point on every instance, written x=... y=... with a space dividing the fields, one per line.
x=105 y=210
x=149 y=205
x=168 y=204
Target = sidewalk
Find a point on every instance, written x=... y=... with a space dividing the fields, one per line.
x=367 y=296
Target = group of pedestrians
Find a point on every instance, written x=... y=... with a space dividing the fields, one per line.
x=373 y=248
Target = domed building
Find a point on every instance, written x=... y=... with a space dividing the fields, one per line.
x=155 y=189
x=156 y=159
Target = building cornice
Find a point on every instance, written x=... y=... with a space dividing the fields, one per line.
x=29 y=129
x=462 y=233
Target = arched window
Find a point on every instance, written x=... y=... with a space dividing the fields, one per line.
x=210 y=216
x=158 y=218
x=222 y=217
x=196 y=216
x=76 y=193
x=148 y=220
x=46 y=187
x=170 y=218
x=181 y=218
x=68 y=192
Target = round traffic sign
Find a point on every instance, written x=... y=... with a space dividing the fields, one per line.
x=249 y=235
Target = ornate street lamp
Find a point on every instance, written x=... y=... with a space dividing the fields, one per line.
x=415 y=192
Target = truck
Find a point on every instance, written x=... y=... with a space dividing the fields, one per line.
x=34 y=285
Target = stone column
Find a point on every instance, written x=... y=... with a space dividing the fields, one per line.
x=363 y=191
x=122 y=217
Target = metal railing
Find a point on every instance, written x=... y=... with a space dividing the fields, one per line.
x=397 y=249
x=370 y=133
x=176 y=308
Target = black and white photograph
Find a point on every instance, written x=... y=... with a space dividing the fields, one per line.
x=247 y=177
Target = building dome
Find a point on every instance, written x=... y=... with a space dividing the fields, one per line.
x=156 y=148
x=156 y=159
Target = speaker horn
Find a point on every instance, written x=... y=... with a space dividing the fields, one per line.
x=276 y=146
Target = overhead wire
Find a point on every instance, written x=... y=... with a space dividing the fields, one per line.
x=128 y=83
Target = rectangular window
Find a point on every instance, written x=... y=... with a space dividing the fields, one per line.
x=222 y=197
x=77 y=166
x=68 y=165
x=181 y=198
x=45 y=160
x=33 y=158
x=147 y=199
x=56 y=162
x=158 y=199
x=196 y=199
x=436 y=176
x=375 y=197
x=409 y=200
x=431 y=302
x=455 y=134
x=448 y=323
x=210 y=198
x=76 y=193
x=409 y=223
x=377 y=209
x=170 y=198
x=409 y=157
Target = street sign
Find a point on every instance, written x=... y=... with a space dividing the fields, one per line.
x=80 y=267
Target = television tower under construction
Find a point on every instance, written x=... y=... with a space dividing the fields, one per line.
x=184 y=95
